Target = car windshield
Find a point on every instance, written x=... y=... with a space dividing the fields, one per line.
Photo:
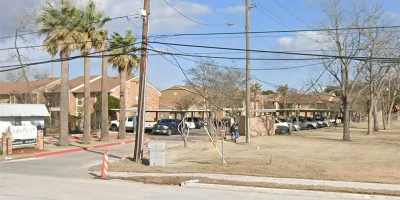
x=166 y=121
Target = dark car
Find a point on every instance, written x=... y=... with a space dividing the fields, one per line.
x=197 y=121
x=166 y=126
x=281 y=130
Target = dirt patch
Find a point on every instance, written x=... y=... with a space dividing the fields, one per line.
x=177 y=180
x=316 y=154
x=26 y=150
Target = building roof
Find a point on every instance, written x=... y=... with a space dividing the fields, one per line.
x=73 y=83
x=301 y=98
x=23 y=110
x=21 y=87
x=112 y=83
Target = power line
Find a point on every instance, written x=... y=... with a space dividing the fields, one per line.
x=17 y=66
x=200 y=61
x=291 y=13
x=312 y=84
x=258 y=69
x=188 y=80
x=275 y=17
x=235 y=58
x=279 y=31
x=281 y=52
x=190 y=18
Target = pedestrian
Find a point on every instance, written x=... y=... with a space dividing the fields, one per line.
x=232 y=131
x=236 y=132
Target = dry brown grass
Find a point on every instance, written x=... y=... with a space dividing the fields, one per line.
x=318 y=154
x=177 y=180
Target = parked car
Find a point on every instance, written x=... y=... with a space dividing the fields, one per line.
x=198 y=122
x=281 y=130
x=190 y=125
x=282 y=122
x=323 y=121
x=304 y=124
x=319 y=123
x=130 y=124
x=167 y=126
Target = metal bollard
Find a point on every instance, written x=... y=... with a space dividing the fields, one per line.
x=223 y=151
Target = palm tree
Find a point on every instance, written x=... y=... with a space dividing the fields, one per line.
x=104 y=88
x=124 y=59
x=92 y=22
x=255 y=88
x=59 y=29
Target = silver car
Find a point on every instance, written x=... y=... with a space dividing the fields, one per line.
x=304 y=124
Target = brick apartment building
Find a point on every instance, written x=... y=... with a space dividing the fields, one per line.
x=46 y=91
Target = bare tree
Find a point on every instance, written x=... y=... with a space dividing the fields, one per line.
x=376 y=42
x=184 y=103
x=222 y=89
x=347 y=44
x=389 y=95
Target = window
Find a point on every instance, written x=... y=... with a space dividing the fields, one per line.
x=17 y=121
x=79 y=99
x=130 y=119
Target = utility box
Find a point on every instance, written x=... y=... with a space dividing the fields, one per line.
x=157 y=154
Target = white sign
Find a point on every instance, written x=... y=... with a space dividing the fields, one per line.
x=23 y=134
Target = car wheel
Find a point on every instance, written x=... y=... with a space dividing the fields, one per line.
x=309 y=127
x=169 y=133
x=114 y=127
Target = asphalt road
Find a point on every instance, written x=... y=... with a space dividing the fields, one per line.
x=66 y=177
x=17 y=187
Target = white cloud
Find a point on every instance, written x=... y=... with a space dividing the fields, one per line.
x=162 y=17
x=312 y=4
x=233 y=9
x=284 y=41
x=392 y=15
x=307 y=42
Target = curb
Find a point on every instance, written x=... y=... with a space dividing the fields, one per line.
x=40 y=155
x=78 y=138
x=305 y=193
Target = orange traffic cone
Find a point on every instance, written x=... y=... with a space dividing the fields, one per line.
x=104 y=166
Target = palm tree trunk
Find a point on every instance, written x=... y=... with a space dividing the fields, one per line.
x=122 y=110
x=86 y=102
x=104 y=95
x=64 y=101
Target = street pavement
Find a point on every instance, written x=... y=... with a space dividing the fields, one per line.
x=65 y=177
x=17 y=187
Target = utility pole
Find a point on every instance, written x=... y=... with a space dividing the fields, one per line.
x=142 y=84
x=247 y=123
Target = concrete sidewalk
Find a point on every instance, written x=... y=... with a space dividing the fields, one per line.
x=290 y=181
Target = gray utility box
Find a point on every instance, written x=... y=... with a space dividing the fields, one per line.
x=157 y=154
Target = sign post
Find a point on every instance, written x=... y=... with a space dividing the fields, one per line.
x=23 y=135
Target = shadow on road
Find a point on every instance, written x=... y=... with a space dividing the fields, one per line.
x=100 y=153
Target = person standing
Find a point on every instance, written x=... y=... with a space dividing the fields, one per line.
x=232 y=131
x=236 y=132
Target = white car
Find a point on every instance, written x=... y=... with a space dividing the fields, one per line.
x=190 y=125
x=280 y=123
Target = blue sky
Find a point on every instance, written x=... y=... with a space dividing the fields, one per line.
x=304 y=15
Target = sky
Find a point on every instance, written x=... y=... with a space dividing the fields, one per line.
x=214 y=15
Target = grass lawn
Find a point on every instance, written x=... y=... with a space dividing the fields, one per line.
x=316 y=154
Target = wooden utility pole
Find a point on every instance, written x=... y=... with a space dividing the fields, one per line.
x=247 y=122
x=142 y=84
